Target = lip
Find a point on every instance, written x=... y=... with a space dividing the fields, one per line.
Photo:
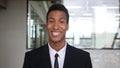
x=55 y=33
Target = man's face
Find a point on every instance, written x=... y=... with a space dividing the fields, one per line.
x=57 y=26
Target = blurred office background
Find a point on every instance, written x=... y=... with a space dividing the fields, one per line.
x=94 y=27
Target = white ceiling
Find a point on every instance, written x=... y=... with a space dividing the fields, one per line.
x=86 y=7
x=76 y=8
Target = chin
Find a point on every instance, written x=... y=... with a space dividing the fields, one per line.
x=55 y=40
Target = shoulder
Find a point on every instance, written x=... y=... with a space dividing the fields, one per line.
x=78 y=54
x=79 y=57
x=38 y=50
x=77 y=50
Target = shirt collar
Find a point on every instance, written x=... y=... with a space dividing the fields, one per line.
x=60 y=52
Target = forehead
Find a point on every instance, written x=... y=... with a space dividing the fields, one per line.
x=57 y=13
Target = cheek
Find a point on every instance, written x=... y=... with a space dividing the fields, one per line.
x=48 y=26
x=64 y=27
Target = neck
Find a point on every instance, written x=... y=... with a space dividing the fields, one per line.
x=57 y=45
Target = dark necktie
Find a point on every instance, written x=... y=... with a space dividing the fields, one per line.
x=56 y=65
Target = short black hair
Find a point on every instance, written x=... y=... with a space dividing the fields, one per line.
x=58 y=7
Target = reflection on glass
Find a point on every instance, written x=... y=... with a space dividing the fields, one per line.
x=93 y=23
x=36 y=35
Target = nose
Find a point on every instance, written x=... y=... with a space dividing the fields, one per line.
x=56 y=25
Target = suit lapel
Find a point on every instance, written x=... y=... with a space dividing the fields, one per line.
x=67 y=62
x=68 y=57
x=46 y=57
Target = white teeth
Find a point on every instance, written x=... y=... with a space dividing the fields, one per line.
x=55 y=33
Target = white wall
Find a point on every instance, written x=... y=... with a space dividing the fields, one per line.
x=105 y=58
x=13 y=40
x=13 y=34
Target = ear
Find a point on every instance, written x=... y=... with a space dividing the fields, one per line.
x=67 y=27
x=46 y=25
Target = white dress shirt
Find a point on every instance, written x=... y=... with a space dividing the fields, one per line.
x=61 y=56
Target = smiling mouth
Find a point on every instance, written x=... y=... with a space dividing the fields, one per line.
x=55 y=33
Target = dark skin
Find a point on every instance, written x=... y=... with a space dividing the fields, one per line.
x=56 y=27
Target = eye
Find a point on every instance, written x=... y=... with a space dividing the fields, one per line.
x=50 y=20
x=62 y=21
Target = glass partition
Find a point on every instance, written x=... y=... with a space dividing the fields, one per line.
x=93 y=24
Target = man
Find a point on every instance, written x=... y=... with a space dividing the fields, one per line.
x=67 y=56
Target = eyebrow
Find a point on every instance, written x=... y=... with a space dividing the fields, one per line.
x=50 y=18
x=54 y=18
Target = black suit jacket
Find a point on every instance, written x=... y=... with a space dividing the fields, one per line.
x=40 y=58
